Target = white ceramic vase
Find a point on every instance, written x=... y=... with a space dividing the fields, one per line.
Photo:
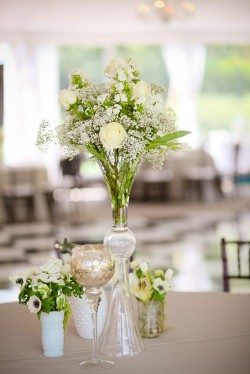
x=81 y=314
x=52 y=333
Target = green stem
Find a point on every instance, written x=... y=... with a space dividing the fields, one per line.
x=119 y=178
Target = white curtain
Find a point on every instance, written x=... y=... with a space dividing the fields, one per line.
x=185 y=65
x=31 y=91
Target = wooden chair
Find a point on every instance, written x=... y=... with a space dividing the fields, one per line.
x=18 y=196
x=238 y=246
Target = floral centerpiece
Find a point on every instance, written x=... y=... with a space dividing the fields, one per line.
x=47 y=288
x=150 y=288
x=119 y=122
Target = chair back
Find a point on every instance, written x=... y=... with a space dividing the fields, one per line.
x=240 y=248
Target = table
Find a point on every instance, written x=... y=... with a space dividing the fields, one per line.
x=210 y=335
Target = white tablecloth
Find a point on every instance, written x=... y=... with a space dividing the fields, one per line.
x=210 y=335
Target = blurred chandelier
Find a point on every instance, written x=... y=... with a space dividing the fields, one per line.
x=165 y=10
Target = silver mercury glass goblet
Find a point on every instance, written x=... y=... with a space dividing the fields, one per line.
x=93 y=266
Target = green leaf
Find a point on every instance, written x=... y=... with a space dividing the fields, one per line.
x=157 y=296
x=67 y=315
x=166 y=138
x=49 y=304
x=92 y=150
x=139 y=273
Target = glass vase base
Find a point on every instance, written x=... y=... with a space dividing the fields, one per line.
x=121 y=335
x=96 y=364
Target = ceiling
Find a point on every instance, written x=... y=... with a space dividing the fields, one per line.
x=111 y=22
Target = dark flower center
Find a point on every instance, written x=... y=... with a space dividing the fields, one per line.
x=142 y=284
x=36 y=304
x=160 y=288
x=19 y=281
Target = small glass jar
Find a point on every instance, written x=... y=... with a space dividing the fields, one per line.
x=151 y=318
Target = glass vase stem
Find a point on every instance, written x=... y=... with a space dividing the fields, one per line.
x=95 y=341
x=121 y=335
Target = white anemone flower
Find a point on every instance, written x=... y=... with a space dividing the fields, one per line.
x=19 y=280
x=162 y=286
x=34 y=304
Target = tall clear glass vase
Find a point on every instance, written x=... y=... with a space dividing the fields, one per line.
x=121 y=335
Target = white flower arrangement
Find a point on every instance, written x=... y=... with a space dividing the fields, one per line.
x=47 y=288
x=124 y=113
x=119 y=122
x=147 y=284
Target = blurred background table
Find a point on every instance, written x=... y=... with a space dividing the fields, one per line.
x=22 y=194
x=210 y=334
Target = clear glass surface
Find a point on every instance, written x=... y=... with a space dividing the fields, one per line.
x=151 y=317
x=93 y=265
x=121 y=335
x=121 y=241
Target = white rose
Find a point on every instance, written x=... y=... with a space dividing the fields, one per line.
x=141 y=88
x=112 y=135
x=110 y=70
x=67 y=98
